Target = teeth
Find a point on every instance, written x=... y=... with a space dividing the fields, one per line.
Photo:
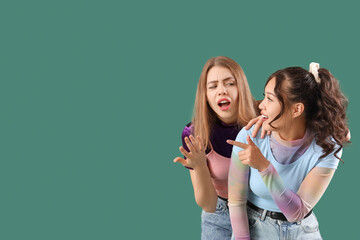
x=223 y=101
x=264 y=116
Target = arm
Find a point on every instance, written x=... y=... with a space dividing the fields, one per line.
x=204 y=191
x=238 y=185
x=295 y=206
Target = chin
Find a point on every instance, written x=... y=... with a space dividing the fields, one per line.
x=226 y=119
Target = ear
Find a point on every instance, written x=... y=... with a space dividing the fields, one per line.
x=297 y=110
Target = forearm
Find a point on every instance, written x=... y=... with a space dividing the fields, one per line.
x=204 y=191
x=238 y=185
x=291 y=205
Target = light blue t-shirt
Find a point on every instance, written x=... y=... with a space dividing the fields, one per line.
x=292 y=174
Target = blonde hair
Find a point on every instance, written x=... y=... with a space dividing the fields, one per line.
x=203 y=116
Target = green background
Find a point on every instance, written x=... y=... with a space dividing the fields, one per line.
x=94 y=96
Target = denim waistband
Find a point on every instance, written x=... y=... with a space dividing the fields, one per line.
x=224 y=199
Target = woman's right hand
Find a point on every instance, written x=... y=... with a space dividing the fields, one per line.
x=258 y=123
x=196 y=157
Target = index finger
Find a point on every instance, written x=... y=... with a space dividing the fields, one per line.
x=238 y=144
x=251 y=123
x=258 y=124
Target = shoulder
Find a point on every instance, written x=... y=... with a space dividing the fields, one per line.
x=329 y=161
x=243 y=133
x=187 y=130
x=241 y=137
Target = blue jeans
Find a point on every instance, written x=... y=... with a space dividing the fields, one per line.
x=217 y=225
x=271 y=229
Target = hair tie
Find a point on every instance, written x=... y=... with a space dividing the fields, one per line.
x=314 y=69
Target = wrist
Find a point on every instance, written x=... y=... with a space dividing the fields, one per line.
x=201 y=166
x=264 y=166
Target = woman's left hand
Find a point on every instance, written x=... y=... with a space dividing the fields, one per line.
x=251 y=154
x=258 y=121
x=196 y=157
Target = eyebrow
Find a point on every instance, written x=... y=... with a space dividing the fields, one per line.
x=270 y=93
x=225 y=79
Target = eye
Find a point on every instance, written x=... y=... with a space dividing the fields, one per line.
x=213 y=86
x=230 y=83
x=269 y=99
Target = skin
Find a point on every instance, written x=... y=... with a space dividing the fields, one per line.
x=290 y=126
x=220 y=83
x=316 y=181
x=258 y=121
x=205 y=193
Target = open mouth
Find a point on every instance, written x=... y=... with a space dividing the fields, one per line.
x=264 y=117
x=224 y=104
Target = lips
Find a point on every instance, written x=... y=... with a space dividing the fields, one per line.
x=224 y=104
x=264 y=117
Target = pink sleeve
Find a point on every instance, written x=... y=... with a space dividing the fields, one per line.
x=238 y=186
x=295 y=206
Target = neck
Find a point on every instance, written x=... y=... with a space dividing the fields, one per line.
x=293 y=132
x=228 y=121
x=291 y=136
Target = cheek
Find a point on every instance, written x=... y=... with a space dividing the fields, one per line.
x=277 y=112
x=207 y=96
x=274 y=114
x=236 y=106
x=210 y=99
x=236 y=93
x=234 y=96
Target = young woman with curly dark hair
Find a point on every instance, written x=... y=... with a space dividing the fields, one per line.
x=275 y=182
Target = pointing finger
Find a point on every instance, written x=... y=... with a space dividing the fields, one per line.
x=238 y=144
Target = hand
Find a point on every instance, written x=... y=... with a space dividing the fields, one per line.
x=251 y=154
x=348 y=135
x=258 y=121
x=196 y=157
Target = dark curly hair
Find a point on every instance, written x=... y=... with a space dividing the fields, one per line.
x=324 y=104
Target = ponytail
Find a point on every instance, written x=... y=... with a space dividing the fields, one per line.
x=325 y=104
x=329 y=122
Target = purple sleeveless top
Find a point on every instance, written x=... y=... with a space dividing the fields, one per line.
x=218 y=155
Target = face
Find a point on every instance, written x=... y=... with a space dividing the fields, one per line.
x=270 y=107
x=222 y=94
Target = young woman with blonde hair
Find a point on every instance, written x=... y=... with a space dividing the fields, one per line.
x=223 y=105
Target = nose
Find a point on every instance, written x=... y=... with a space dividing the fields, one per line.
x=261 y=105
x=222 y=89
